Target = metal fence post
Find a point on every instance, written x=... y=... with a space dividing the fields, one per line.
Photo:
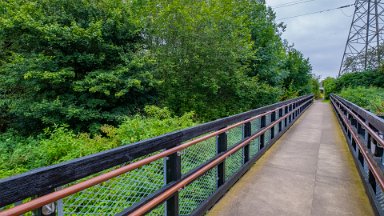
x=221 y=146
x=273 y=118
x=172 y=173
x=263 y=121
x=286 y=119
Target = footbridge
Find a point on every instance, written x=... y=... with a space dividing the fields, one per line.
x=297 y=157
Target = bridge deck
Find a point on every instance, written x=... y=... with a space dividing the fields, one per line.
x=309 y=171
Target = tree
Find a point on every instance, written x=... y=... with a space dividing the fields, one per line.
x=315 y=87
x=298 y=79
x=268 y=47
x=329 y=85
x=201 y=49
x=74 y=62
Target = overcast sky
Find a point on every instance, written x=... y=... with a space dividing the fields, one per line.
x=320 y=37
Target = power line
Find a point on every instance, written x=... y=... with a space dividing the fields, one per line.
x=317 y=12
x=288 y=4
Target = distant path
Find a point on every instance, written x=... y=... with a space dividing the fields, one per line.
x=309 y=171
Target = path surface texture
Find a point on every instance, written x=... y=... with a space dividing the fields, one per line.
x=309 y=171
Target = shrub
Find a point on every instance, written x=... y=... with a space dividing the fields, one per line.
x=329 y=85
x=370 y=98
x=59 y=143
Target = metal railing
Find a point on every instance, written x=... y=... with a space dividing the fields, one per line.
x=181 y=173
x=364 y=133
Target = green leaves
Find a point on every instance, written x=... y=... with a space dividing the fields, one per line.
x=60 y=143
x=86 y=63
x=370 y=98
x=74 y=62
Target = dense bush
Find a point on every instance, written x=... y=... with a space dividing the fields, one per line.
x=315 y=87
x=19 y=154
x=367 y=78
x=329 y=85
x=352 y=80
x=370 y=98
x=73 y=62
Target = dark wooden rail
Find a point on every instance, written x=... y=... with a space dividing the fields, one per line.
x=45 y=180
x=364 y=133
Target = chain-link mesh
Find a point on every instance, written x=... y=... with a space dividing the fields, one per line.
x=233 y=163
x=234 y=136
x=255 y=126
x=380 y=196
x=276 y=129
x=114 y=195
x=198 y=154
x=267 y=134
x=254 y=147
x=197 y=192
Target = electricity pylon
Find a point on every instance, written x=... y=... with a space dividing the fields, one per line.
x=364 y=48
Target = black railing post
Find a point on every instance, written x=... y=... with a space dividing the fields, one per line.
x=262 y=125
x=286 y=119
x=280 y=123
x=246 y=133
x=172 y=173
x=273 y=118
x=221 y=146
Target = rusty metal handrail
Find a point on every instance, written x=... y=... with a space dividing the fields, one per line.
x=371 y=162
x=379 y=140
x=54 y=196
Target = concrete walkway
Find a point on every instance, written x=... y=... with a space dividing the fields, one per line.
x=309 y=171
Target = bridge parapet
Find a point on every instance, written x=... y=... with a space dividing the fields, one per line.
x=180 y=173
x=364 y=133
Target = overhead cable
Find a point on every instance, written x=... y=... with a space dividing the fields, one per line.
x=317 y=12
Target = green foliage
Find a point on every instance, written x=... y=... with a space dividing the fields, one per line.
x=367 y=78
x=199 y=48
x=370 y=98
x=73 y=62
x=299 y=78
x=86 y=63
x=221 y=57
x=315 y=87
x=59 y=144
x=329 y=85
